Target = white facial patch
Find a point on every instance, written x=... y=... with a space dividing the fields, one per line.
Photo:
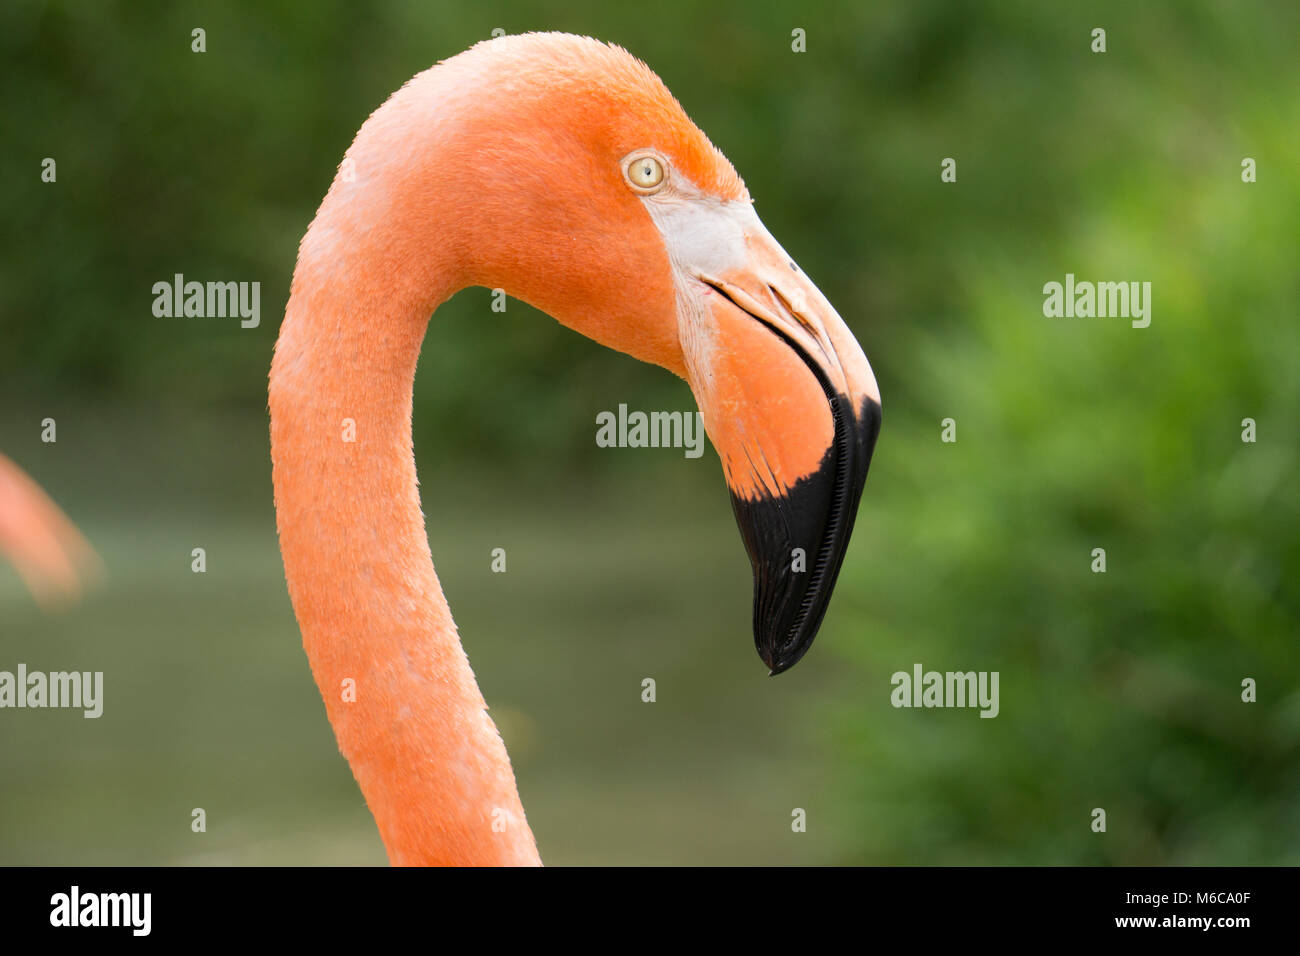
x=702 y=234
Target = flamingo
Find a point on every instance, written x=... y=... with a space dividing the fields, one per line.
x=46 y=549
x=560 y=169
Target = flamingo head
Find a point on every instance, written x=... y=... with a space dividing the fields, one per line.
x=602 y=204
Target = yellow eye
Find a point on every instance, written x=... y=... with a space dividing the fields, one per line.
x=645 y=172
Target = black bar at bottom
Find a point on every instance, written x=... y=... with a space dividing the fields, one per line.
x=333 y=905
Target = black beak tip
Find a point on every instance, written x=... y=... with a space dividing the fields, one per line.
x=780 y=667
x=816 y=516
x=779 y=657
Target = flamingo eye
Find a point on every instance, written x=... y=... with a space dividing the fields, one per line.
x=645 y=173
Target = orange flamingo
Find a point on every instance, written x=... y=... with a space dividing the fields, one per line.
x=559 y=169
x=47 y=550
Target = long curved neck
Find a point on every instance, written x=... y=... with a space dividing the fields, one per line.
x=383 y=648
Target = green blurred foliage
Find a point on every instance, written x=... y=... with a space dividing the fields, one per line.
x=1118 y=690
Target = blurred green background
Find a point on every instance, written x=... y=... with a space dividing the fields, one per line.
x=1118 y=690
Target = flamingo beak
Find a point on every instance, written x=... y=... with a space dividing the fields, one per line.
x=792 y=406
